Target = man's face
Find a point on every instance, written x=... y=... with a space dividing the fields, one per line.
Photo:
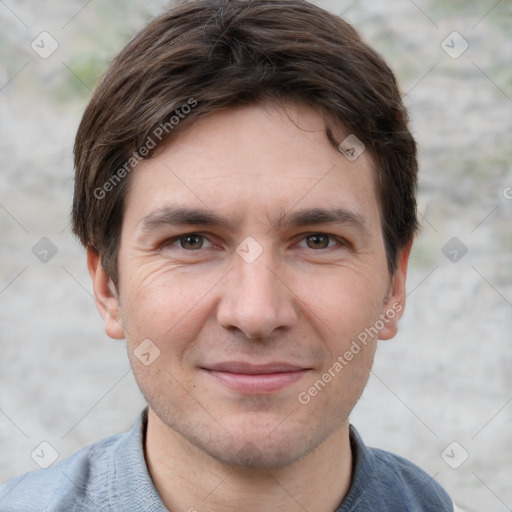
x=252 y=256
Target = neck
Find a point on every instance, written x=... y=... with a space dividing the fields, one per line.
x=189 y=480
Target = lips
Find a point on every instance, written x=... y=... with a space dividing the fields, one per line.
x=252 y=369
x=255 y=379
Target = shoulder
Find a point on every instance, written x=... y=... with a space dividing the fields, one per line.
x=65 y=486
x=404 y=482
x=389 y=483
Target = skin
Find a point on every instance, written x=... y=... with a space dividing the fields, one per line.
x=303 y=301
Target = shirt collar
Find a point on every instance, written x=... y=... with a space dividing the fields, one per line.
x=130 y=486
x=362 y=469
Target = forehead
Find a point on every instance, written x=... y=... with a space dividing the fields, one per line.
x=259 y=161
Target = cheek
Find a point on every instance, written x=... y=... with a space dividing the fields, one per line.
x=167 y=306
x=346 y=301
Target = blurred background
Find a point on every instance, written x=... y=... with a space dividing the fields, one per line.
x=441 y=391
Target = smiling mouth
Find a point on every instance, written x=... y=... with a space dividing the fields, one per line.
x=256 y=379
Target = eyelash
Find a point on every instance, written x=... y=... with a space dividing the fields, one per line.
x=339 y=241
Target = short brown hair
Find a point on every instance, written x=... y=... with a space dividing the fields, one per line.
x=208 y=55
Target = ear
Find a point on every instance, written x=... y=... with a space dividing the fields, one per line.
x=105 y=295
x=394 y=305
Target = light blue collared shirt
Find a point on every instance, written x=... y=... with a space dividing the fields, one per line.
x=111 y=476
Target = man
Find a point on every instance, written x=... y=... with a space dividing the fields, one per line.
x=245 y=189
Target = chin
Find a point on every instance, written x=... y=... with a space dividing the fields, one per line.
x=259 y=454
x=255 y=439
x=265 y=444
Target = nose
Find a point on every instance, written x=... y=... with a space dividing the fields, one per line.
x=257 y=300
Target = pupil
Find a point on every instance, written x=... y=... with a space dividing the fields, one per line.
x=320 y=241
x=191 y=242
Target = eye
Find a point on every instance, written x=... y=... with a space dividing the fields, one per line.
x=190 y=241
x=319 y=241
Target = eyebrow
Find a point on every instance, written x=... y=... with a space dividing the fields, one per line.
x=169 y=216
x=180 y=216
x=325 y=216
